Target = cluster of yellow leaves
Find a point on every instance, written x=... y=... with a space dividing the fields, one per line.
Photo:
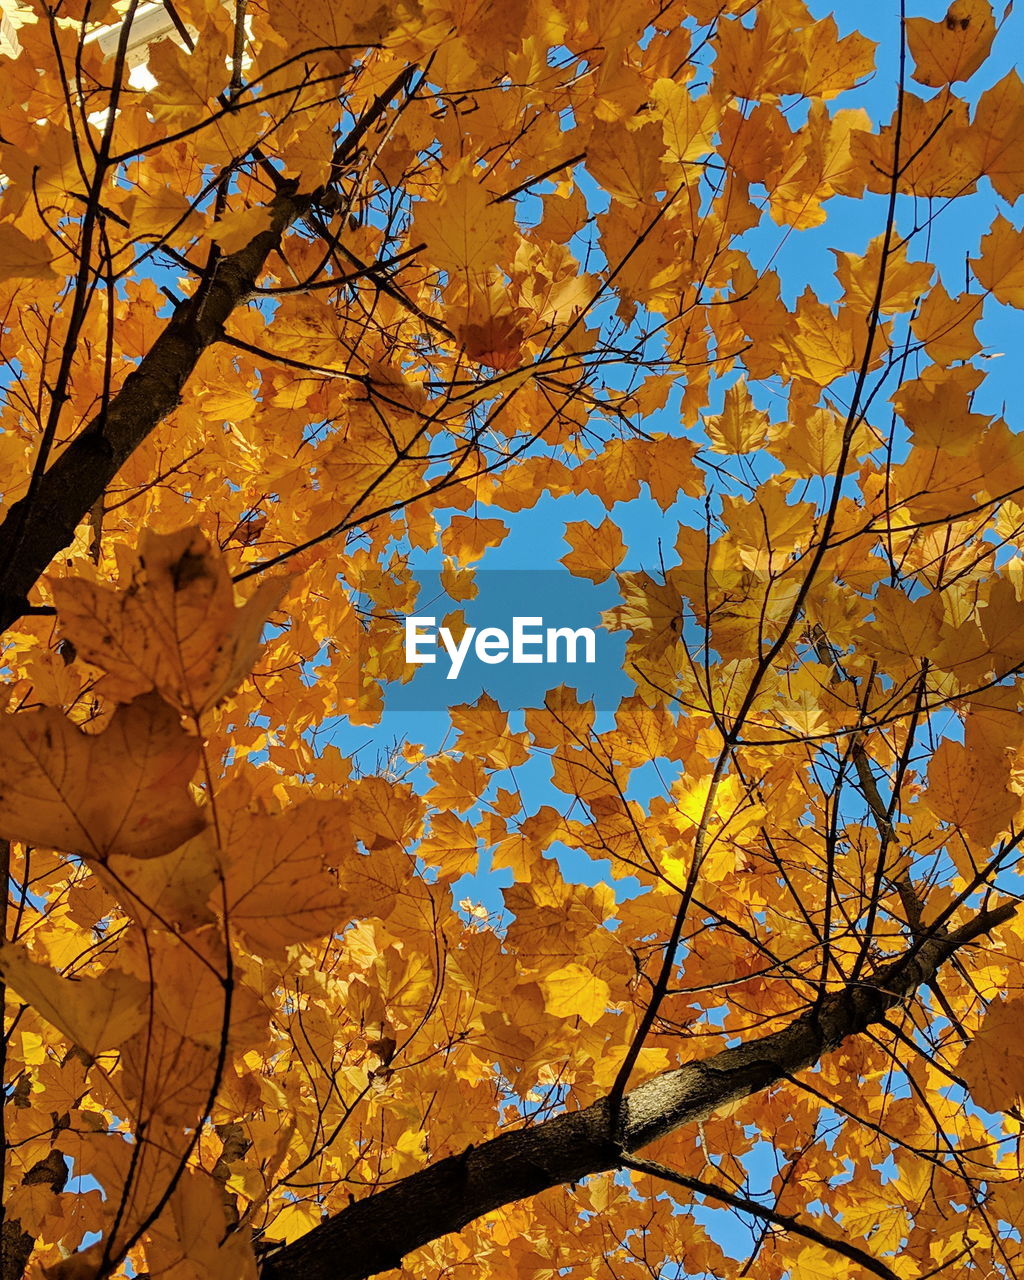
x=209 y=892
x=238 y=980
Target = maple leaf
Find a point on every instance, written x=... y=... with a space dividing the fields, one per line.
x=739 y=428
x=452 y=845
x=573 y=992
x=468 y=537
x=483 y=731
x=904 y=282
x=968 y=784
x=196 y=1233
x=278 y=888
x=954 y=47
x=97 y=1013
x=174 y=626
x=22 y=258
x=992 y=1062
x=466 y=231
x=597 y=550
x=996 y=141
x=1000 y=268
x=171 y=890
x=123 y=790
x=945 y=325
x=234 y=230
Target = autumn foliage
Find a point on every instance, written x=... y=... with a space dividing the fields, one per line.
x=294 y=292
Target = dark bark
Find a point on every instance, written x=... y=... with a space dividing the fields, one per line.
x=375 y=1233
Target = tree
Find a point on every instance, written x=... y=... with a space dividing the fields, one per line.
x=291 y=291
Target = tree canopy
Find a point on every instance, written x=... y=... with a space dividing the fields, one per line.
x=297 y=294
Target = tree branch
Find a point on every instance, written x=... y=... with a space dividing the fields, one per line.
x=36 y=528
x=375 y=1233
x=42 y=523
x=787 y=1221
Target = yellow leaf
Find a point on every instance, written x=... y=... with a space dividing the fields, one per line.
x=96 y=1013
x=465 y=231
x=193 y=1232
x=451 y=845
x=688 y=123
x=740 y=427
x=997 y=136
x=993 y=1062
x=820 y=347
x=187 y=80
x=815 y=1262
x=413 y=1142
x=967 y=787
x=812 y=443
x=458 y=584
x=597 y=550
x=22 y=258
x=669 y=468
x=936 y=408
x=484 y=732
x=294 y=1221
x=173 y=624
x=517 y=854
x=325 y=29
x=154 y=213
x=575 y=992
x=904 y=281
x=1000 y=268
x=563 y=718
x=278 y=887
x=307 y=156
x=834 y=65
x=234 y=230
x=171 y=890
x=946 y=325
x=756 y=60
x=124 y=790
x=769 y=529
x=953 y=48
x=564 y=216
x=626 y=161
x=468 y=537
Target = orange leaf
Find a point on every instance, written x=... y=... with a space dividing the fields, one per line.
x=468 y=537
x=96 y=1013
x=993 y=1062
x=124 y=790
x=278 y=888
x=597 y=550
x=173 y=625
x=465 y=231
x=954 y=48
x=1000 y=268
x=484 y=732
x=575 y=992
x=22 y=258
x=740 y=427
